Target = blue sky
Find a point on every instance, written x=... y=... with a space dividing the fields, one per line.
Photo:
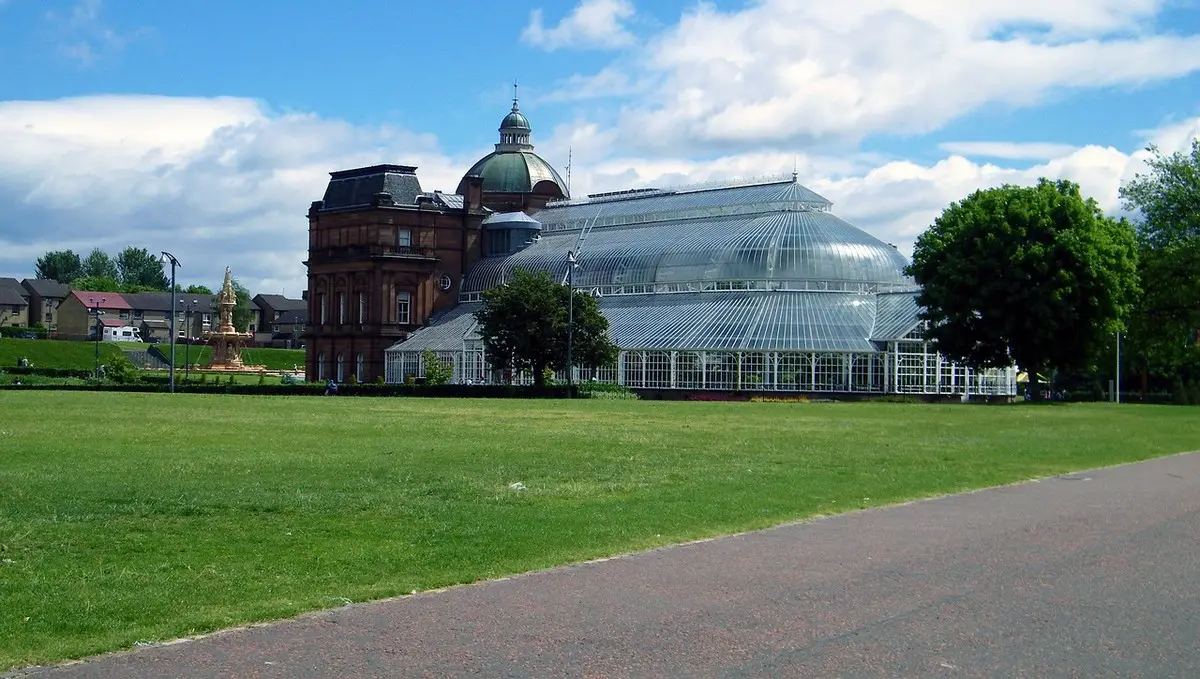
x=206 y=128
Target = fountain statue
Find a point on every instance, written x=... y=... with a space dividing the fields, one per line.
x=226 y=341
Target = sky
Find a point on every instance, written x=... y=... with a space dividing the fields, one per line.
x=206 y=127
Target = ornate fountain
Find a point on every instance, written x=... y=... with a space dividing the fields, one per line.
x=226 y=341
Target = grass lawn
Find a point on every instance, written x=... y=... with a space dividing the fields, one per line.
x=139 y=517
x=55 y=353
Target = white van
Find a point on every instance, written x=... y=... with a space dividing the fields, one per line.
x=125 y=333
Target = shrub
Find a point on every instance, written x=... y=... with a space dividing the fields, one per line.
x=120 y=370
x=605 y=390
x=437 y=371
x=288 y=379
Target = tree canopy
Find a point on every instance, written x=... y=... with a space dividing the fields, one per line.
x=1036 y=276
x=137 y=268
x=63 y=266
x=524 y=327
x=99 y=265
x=1163 y=330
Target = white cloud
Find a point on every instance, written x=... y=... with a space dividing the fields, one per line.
x=216 y=181
x=227 y=181
x=1007 y=150
x=592 y=24
x=781 y=71
x=83 y=37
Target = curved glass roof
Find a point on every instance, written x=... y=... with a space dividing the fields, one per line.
x=726 y=321
x=781 y=246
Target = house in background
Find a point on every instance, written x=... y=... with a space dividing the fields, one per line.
x=45 y=295
x=287 y=330
x=14 y=303
x=268 y=309
x=151 y=313
x=75 y=314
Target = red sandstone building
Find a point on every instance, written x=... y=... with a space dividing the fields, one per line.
x=384 y=255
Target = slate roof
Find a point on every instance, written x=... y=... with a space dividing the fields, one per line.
x=295 y=317
x=46 y=287
x=357 y=187
x=161 y=301
x=112 y=300
x=281 y=303
x=11 y=297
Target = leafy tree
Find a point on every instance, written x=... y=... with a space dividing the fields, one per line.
x=197 y=290
x=63 y=266
x=437 y=371
x=136 y=267
x=1163 y=332
x=524 y=327
x=1032 y=275
x=99 y=265
x=96 y=284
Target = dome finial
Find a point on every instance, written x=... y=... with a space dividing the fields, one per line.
x=515 y=107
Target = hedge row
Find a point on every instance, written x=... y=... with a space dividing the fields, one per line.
x=48 y=372
x=23 y=331
x=435 y=391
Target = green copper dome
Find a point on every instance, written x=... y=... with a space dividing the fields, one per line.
x=513 y=167
x=516 y=172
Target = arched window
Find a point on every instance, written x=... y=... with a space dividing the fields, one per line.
x=340 y=368
x=358 y=368
x=321 y=366
x=341 y=308
x=323 y=316
x=362 y=308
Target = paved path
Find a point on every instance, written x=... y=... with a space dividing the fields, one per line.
x=1088 y=575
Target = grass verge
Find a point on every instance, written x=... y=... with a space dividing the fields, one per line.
x=143 y=517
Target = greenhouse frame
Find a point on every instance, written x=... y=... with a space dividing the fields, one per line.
x=748 y=286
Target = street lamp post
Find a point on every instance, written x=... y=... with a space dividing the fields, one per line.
x=96 y=313
x=570 y=317
x=164 y=259
x=187 y=344
x=1117 y=386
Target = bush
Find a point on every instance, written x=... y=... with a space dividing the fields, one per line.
x=437 y=371
x=288 y=379
x=607 y=391
x=120 y=370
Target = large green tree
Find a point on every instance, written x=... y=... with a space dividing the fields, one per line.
x=1163 y=332
x=137 y=268
x=524 y=327
x=96 y=284
x=63 y=266
x=99 y=265
x=1036 y=276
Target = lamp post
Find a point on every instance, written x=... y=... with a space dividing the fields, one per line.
x=168 y=257
x=1117 y=385
x=570 y=317
x=96 y=313
x=187 y=343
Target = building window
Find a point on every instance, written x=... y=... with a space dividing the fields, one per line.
x=358 y=368
x=323 y=317
x=403 y=308
x=276 y=328
x=404 y=238
x=340 y=374
x=362 y=308
x=341 y=308
x=321 y=366
x=124 y=314
x=49 y=316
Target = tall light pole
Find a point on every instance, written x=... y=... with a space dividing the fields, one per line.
x=570 y=317
x=1117 y=387
x=96 y=313
x=168 y=257
x=187 y=344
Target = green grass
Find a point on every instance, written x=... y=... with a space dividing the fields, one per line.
x=81 y=355
x=139 y=517
x=55 y=353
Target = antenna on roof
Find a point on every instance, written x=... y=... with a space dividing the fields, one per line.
x=568 y=170
x=514 y=94
x=795 y=168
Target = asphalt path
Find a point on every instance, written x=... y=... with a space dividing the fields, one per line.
x=1094 y=574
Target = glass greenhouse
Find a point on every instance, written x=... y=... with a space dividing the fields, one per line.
x=748 y=286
